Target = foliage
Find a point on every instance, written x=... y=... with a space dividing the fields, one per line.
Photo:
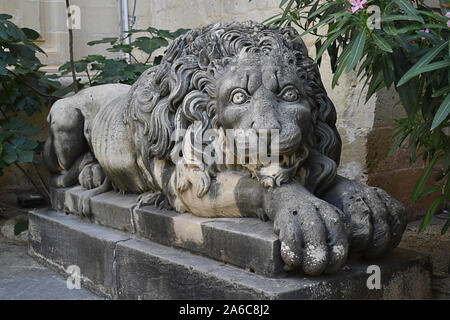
x=24 y=90
x=100 y=70
x=408 y=50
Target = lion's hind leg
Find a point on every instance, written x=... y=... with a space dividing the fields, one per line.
x=66 y=146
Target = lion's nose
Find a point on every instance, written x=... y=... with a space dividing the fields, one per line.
x=264 y=118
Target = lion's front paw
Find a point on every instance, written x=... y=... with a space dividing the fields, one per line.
x=377 y=220
x=314 y=236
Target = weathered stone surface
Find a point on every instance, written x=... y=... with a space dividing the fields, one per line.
x=248 y=243
x=109 y=210
x=145 y=270
x=245 y=242
x=63 y=240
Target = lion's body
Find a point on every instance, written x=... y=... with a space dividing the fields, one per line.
x=150 y=139
x=113 y=148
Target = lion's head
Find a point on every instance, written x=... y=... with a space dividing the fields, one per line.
x=237 y=76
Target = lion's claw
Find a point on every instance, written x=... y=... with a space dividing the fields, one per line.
x=314 y=237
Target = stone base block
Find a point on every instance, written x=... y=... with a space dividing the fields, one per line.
x=124 y=266
x=247 y=243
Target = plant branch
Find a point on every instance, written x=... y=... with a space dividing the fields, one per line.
x=33 y=88
x=44 y=186
x=26 y=174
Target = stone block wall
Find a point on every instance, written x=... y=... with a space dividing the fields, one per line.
x=365 y=128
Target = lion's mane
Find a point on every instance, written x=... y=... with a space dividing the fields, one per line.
x=181 y=91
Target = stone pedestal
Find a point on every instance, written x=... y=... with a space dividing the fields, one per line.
x=148 y=253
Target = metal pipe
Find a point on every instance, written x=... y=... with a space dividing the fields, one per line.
x=124 y=24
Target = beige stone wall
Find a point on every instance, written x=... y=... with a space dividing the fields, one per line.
x=365 y=127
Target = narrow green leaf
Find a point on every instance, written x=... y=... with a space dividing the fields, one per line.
x=442 y=113
x=409 y=9
x=430 y=213
x=430 y=191
x=423 y=179
x=357 y=50
x=322 y=8
x=282 y=3
x=397 y=144
x=446 y=226
x=288 y=8
x=341 y=63
x=430 y=55
x=381 y=43
x=429 y=67
x=399 y=17
x=441 y=91
x=327 y=43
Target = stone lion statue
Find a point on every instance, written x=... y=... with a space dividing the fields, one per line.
x=233 y=76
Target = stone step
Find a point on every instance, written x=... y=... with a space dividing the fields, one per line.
x=124 y=267
x=247 y=243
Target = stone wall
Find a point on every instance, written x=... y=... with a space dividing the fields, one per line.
x=365 y=128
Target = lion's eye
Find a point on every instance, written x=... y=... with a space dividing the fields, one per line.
x=239 y=96
x=290 y=94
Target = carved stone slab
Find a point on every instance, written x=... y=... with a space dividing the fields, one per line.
x=244 y=242
x=117 y=265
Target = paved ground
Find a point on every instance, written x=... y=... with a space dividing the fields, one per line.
x=22 y=278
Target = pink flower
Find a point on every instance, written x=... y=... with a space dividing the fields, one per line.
x=448 y=16
x=426 y=31
x=357 y=4
x=444 y=5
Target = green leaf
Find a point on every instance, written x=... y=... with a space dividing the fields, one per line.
x=442 y=113
x=288 y=7
x=446 y=226
x=430 y=213
x=381 y=43
x=399 y=17
x=441 y=92
x=430 y=55
x=322 y=8
x=429 y=191
x=327 y=43
x=423 y=179
x=282 y=3
x=357 y=51
x=409 y=9
x=389 y=28
x=10 y=156
x=427 y=68
x=4 y=16
x=341 y=63
x=31 y=34
x=375 y=83
x=25 y=155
